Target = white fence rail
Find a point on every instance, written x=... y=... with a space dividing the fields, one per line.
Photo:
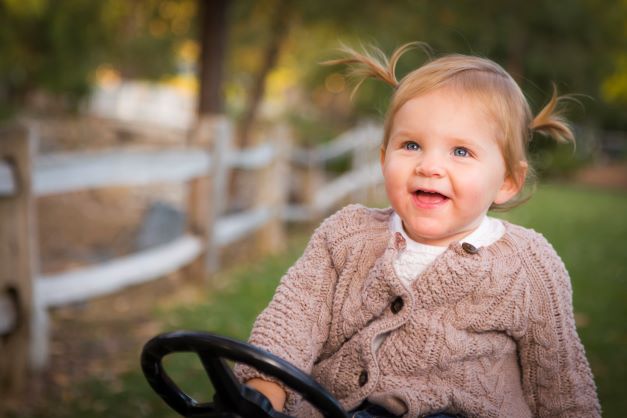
x=367 y=136
x=112 y=276
x=360 y=178
x=67 y=172
x=7 y=180
x=232 y=228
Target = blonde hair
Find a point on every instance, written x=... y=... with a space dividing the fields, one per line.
x=483 y=79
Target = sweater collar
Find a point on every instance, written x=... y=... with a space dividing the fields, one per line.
x=453 y=274
x=488 y=232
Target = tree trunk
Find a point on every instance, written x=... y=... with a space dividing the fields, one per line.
x=202 y=208
x=213 y=36
x=279 y=25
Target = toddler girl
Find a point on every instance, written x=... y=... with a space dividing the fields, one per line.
x=430 y=307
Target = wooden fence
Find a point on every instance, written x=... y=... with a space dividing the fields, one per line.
x=203 y=167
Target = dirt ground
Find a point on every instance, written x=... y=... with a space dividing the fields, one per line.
x=104 y=337
x=101 y=338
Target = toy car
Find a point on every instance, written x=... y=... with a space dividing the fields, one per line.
x=232 y=399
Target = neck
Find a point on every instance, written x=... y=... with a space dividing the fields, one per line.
x=445 y=241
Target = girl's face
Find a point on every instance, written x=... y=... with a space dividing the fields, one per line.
x=443 y=167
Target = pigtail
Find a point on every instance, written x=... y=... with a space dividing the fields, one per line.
x=373 y=63
x=550 y=121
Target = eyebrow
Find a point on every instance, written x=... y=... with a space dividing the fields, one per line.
x=468 y=142
x=403 y=134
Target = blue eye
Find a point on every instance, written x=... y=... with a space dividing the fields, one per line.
x=461 y=152
x=411 y=146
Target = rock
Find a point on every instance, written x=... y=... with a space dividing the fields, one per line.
x=161 y=224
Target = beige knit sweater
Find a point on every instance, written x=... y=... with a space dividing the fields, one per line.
x=487 y=333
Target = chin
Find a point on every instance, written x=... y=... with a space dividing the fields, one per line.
x=426 y=235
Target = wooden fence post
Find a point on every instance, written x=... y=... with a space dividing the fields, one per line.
x=376 y=193
x=272 y=192
x=206 y=194
x=314 y=179
x=17 y=256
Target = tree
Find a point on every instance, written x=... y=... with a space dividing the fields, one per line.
x=278 y=26
x=213 y=33
x=41 y=49
x=55 y=47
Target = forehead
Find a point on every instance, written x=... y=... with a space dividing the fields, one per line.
x=445 y=111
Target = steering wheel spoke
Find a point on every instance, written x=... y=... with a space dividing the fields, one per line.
x=227 y=388
x=232 y=399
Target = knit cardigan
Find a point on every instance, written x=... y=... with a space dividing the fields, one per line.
x=485 y=332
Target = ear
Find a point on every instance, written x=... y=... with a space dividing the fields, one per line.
x=512 y=184
x=382 y=155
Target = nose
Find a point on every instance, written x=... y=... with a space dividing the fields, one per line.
x=430 y=165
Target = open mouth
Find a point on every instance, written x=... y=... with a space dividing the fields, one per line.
x=430 y=198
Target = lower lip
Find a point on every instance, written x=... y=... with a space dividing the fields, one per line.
x=423 y=204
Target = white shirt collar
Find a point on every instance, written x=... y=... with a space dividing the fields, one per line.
x=489 y=231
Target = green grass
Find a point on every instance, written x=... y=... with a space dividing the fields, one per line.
x=588 y=229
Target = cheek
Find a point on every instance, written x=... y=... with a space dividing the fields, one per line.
x=394 y=181
x=488 y=189
x=475 y=186
x=391 y=187
x=391 y=174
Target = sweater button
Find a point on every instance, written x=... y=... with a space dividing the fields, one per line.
x=397 y=305
x=363 y=378
x=399 y=241
x=469 y=248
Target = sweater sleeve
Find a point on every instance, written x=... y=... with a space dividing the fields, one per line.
x=557 y=380
x=295 y=324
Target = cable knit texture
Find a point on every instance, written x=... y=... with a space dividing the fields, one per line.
x=487 y=333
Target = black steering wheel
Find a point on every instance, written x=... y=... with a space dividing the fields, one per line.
x=231 y=399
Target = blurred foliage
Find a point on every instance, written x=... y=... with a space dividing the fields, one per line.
x=579 y=44
x=56 y=47
x=47 y=47
x=550 y=159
